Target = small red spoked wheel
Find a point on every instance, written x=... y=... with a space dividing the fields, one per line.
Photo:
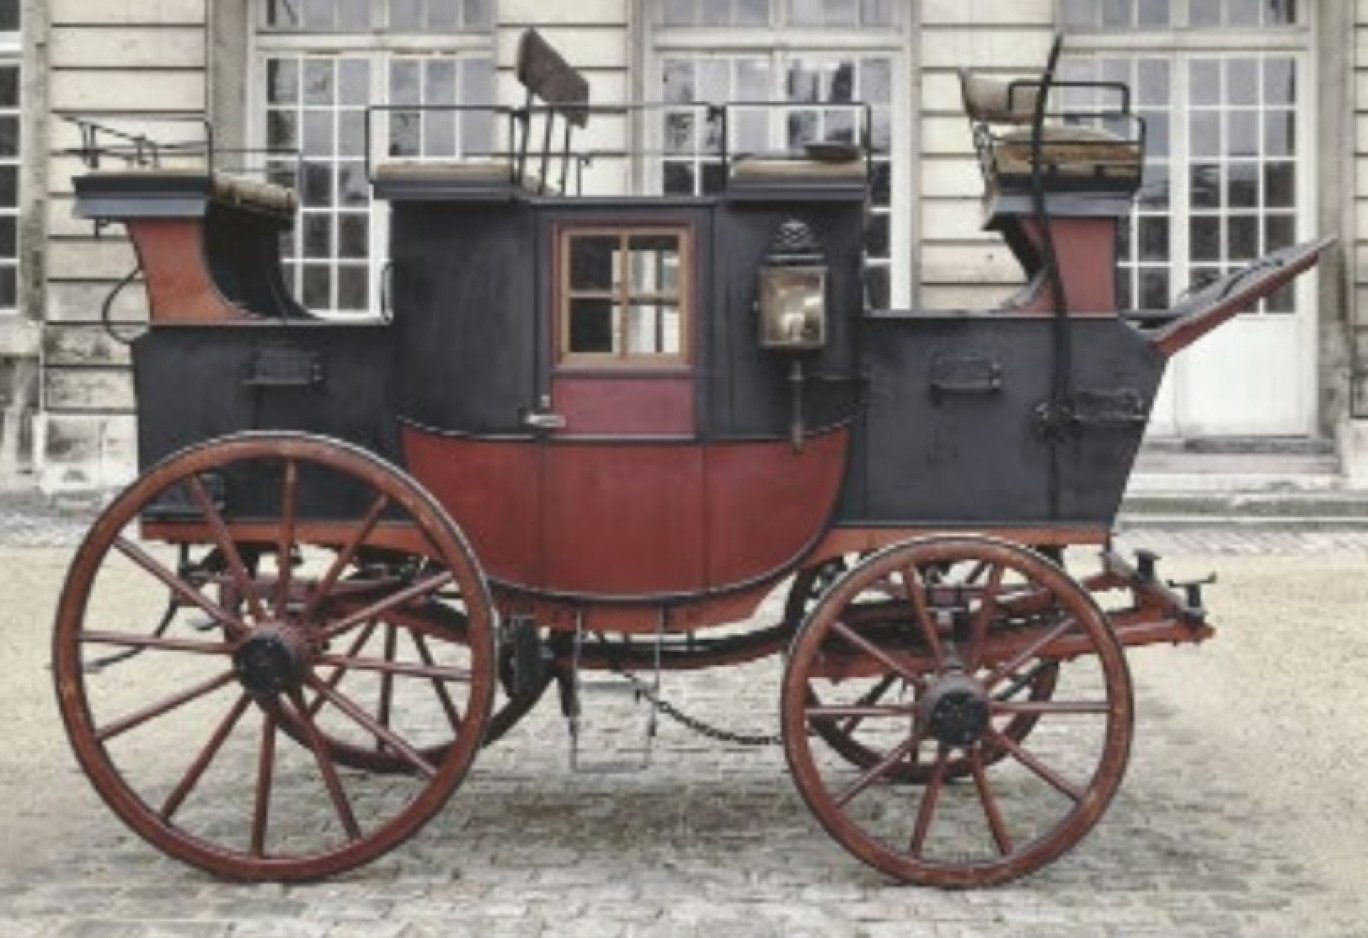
x=225 y=725
x=973 y=626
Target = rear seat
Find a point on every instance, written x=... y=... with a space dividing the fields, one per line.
x=1070 y=152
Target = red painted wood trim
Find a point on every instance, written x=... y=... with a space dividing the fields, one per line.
x=632 y=519
x=662 y=406
x=1086 y=248
x=179 y=285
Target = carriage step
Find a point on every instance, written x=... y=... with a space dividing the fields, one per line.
x=612 y=720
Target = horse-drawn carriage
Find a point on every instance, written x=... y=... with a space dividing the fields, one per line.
x=592 y=434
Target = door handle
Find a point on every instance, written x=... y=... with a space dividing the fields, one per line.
x=543 y=420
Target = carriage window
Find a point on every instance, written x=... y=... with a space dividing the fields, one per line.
x=623 y=297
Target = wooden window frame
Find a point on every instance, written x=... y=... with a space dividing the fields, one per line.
x=683 y=298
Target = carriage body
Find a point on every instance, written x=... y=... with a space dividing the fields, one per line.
x=582 y=420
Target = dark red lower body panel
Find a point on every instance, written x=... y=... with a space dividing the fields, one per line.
x=632 y=519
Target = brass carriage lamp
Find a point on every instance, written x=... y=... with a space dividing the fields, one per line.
x=793 y=307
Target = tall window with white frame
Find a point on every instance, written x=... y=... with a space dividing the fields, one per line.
x=325 y=62
x=1223 y=156
x=825 y=58
x=10 y=154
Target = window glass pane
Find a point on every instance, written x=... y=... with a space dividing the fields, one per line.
x=405 y=14
x=654 y=263
x=1078 y=14
x=1244 y=12
x=9 y=186
x=353 y=284
x=318 y=82
x=1154 y=289
x=282 y=14
x=353 y=82
x=477 y=13
x=1154 y=13
x=318 y=14
x=317 y=235
x=353 y=235
x=1242 y=184
x=9 y=136
x=1242 y=82
x=9 y=86
x=1116 y=14
x=1242 y=238
x=680 y=12
x=9 y=15
x=9 y=236
x=282 y=81
x=593 y=326
x=317 y=291
x=1154 y=238
x=593 y=262
x=1280 y=190
x=1280 y=81
x=9 y=288
x=353 y=15
x=1205 y=82
x=1281 y=12
x=1204 y=13
x=444 y=14
x=1204 y=237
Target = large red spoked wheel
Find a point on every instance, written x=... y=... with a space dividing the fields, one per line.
x=218 y=694
x=972 y=626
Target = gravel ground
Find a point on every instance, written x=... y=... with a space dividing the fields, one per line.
x=1244 y=812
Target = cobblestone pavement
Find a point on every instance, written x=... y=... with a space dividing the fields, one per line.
x=1225 y=826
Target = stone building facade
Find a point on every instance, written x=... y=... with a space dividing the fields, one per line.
x=1258 y=128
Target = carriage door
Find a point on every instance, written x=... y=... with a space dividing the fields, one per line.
x=622 y=473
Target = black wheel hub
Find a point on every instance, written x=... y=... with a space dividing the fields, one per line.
x=955 y=711
x=269 y=662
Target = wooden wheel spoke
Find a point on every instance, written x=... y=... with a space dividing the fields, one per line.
x=366 y=722
x=877 y=653
x=1014 y=664
x=265 y=777
x=156 y=568
x=289 y=504
x=347 y=554
x=336 y=793
x=857 y=712
x=990 y=805
x=386 y=701
x=926 y=811
x=223 y=539
x=378 y=608
x=873 y=696
x=397 y=668
x=921 y=613
x=983 y=617
x=162 y=707
x=339 y=671
x=879 y=769
x=1050 y=706
x=453 y=713
x=204 y=757
x=159 y=643
x=1032 y=762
